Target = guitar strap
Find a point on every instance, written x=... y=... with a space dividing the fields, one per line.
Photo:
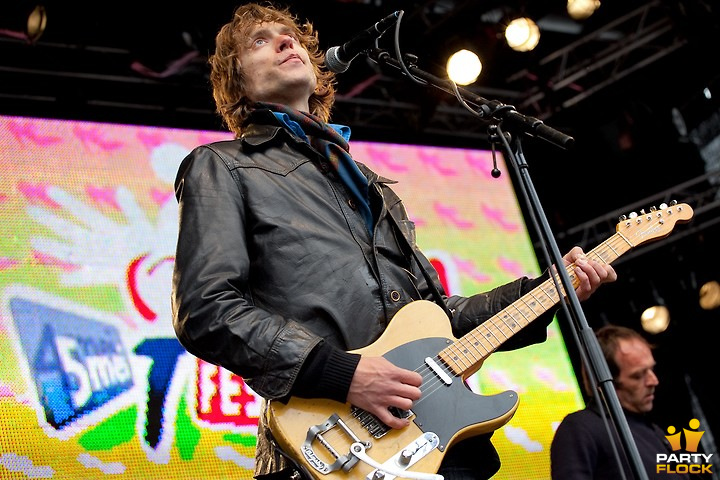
x=431 y=284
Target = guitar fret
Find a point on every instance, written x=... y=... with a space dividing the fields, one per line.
x=613 y=250
x=505 y=314
x=461 y=347
x=626 y=240
x=552 y=289
x=493 y=335
x=520 y=311
x=497 y=327
x=449 y=366
x=602 y=255
x=598 y=256
x=502 y=330
x=446 y=365
x=478 y=342
x=456 y=356
x=532 y=294
x=529 y=306
x=467 y=350
x=447 y=357
x=453 y=366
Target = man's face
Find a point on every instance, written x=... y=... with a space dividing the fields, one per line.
x=276 y=67
x=635 y=385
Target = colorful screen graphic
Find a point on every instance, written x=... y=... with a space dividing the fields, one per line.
x=93 y=380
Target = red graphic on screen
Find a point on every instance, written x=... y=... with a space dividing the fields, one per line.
x=435 y=162
x=28 y=131
x=36 y=193
x=92 y=136
x=481 y=163
x=102 y=196
x=450 y=214
x=442 y=273
x=383 y=157
x=223 y=397
x=497 y=216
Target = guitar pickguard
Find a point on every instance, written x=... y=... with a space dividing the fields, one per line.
x=449 y=409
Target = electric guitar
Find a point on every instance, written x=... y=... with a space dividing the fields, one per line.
x=331 y=440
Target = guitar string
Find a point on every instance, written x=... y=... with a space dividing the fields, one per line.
x=337 y=433
x=427 y=388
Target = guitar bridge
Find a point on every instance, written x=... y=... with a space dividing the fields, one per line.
x=316 y=434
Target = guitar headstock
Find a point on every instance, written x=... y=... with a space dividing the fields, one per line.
x=643 y=227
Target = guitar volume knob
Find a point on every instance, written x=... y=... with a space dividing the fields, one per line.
x=405 y=457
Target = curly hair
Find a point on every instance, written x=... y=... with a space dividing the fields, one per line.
x=226 y=76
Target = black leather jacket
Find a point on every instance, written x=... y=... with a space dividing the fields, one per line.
x=273 y=258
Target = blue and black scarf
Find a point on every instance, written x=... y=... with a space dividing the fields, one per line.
x=332 y=142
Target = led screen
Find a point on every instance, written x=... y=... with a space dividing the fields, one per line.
x=93 y=380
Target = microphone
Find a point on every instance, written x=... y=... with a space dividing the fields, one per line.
x=337 y=59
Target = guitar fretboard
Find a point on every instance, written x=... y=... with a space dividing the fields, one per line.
x=465 y=356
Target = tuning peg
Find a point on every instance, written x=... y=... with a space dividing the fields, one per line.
x=622 y=218
x=642 y=211
x=633 y=214
x=653 y=208
x=663 y=206
x=673 y=203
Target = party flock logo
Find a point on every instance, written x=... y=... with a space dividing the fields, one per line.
x=689 y=462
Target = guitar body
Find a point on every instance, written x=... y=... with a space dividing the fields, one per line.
x=447 y=412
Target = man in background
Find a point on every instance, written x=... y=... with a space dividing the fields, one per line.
x=582 y=448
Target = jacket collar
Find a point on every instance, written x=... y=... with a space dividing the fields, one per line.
x=372 y=176
x=263 y=128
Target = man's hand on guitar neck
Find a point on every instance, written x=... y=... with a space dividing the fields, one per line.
x=590 y=274
x=378 y=384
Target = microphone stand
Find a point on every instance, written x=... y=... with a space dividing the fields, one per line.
x=497 y=115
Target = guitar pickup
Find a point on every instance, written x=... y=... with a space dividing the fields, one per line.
x=370 y=422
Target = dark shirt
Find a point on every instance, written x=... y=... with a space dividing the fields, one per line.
x=582 y=450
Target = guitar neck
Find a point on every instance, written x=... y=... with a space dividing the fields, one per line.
x=465 y=356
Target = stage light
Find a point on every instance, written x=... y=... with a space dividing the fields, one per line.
x=36 y=23
x=464 y=67
x=655 y=319
x=582 y=9
x=710 y=295
x=522 y=34
x=23 y=21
